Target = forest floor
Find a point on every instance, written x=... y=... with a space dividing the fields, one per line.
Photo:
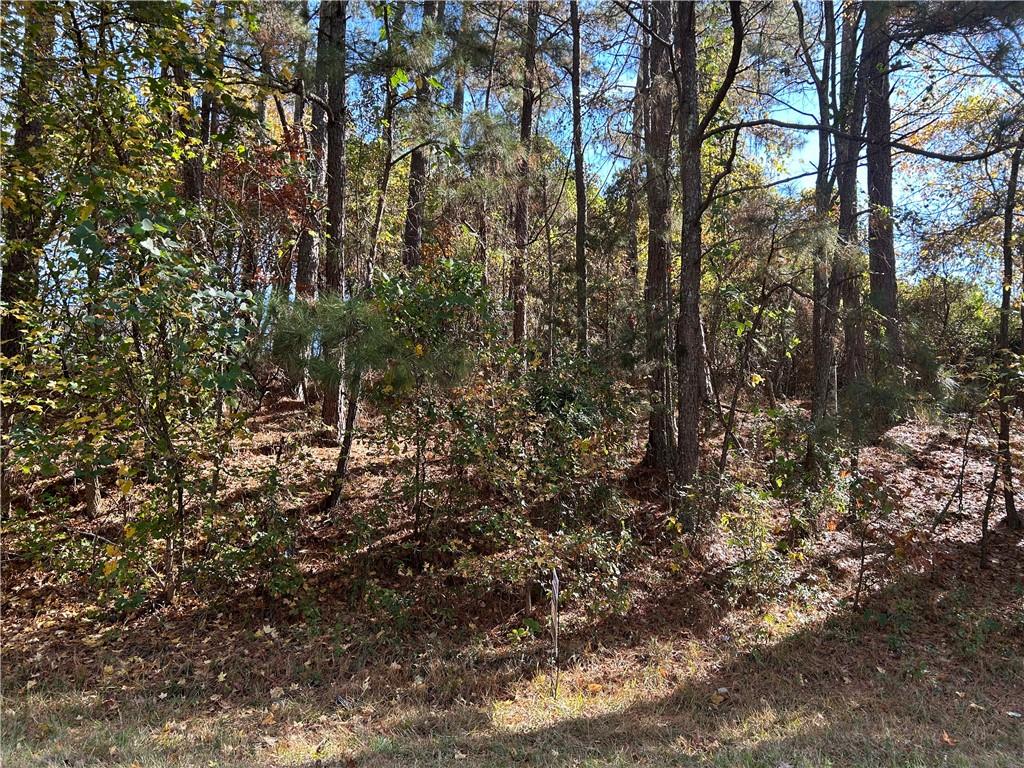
x=928 y=671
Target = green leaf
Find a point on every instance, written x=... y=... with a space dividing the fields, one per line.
x=399 y=77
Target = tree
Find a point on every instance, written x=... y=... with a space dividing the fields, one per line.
x=661 y=443
x=825 y=295
x=850 y=119
x=638 y=129
x=579 y=176
x=521 y=221
x=305 y=259
x=878 y=135
x=690 y=353
x=1004 y=352
x=23 y=222
x=419 y=162
x=389 y=22
x=333 y=15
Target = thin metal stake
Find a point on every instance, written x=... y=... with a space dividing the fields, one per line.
x=554 y=630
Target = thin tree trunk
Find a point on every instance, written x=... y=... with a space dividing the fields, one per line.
x=385 y=178
x=388 y=136
x=691 y=356
x=549 y=250
x=851 y=120
x=825 y=295
x=192 y=162
x=1004 y=353
x=22 y=222
x=299 y=107
x=637 y=134
x=306 y=271
x=305 y=239
x=459 y=91
x=661 y=444
x=522 y=202
x=419 y=161
x=581 y=185
x=482 y=245
x=689 y=342
x=881 y=249
x=333 y=23
x=334 y=18
x=348 y=437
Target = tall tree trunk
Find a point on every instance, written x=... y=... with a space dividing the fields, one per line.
x=384 y=180
x=419 y=161
x=306 y=271
x=636 y=167
x=661 y=444
x=209 y=105
x=881 y=249
x=23 y=221
x=482 y=209
x=522 y=202
x=388 y=137
x=691 y=355
x=333 y=19
x=297 y=143
x=581 y=185
x=689 y=339
x=825 y=290
x=459 y=90
x=1005 y=353
x=192 y=164
x=848 y=148
x=299 y=106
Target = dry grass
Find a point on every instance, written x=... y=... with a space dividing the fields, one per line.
x=845 y=692
x=924 y=675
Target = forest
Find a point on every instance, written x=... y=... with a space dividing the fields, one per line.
x=512 y=383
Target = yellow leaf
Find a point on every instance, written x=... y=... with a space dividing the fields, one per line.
x=129 y=530
x=125 y=485
x=419 y=350
x=85 y=211
x=110 y=567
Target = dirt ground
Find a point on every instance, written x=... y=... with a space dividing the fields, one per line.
x=927 y=671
